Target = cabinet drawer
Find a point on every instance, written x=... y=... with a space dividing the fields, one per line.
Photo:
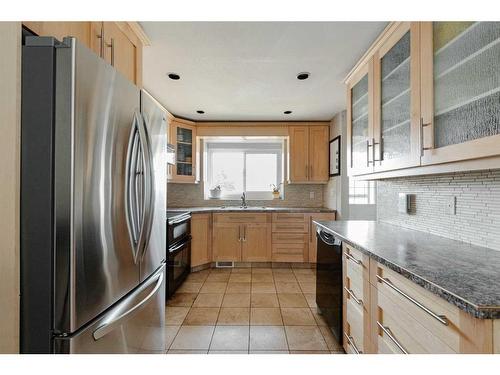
x=290 y=238
x=417 y=308
x=290 y=252
x=240 y=218
x=288 y=218
x=405 y=330
x=354 y=327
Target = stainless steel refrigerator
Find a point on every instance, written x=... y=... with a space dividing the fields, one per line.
x=93 y=206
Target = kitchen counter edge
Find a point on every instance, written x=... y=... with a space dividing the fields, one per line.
x=480 y=312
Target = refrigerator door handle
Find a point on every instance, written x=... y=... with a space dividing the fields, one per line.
x=149 y=184
x=132 y=205
x=129 y=306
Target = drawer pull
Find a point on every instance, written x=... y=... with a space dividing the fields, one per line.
x=349 y=256
x=353 y=296
x=389 y=334
x=350 y=340
x=440 y=318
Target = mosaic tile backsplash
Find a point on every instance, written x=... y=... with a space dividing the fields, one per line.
x=477 y=218
x=191 y=195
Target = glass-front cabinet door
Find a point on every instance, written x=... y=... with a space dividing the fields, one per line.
x=359 y=121
x=461 y=74
x=184 y=140
x=396 y=106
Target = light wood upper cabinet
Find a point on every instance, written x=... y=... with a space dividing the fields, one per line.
x=183 y=138
x=360 y=120
x=425 y=99
x=201 y=243
x=299 y=156
x=318 y=153
x=308 y=154
x=396 y=104
x=116 y=42
x=460 y=90
x=59 y=30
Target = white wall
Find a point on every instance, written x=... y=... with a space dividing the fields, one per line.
x=10 y=123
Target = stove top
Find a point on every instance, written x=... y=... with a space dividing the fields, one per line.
x=172 y=214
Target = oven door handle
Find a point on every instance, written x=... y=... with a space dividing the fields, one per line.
x=179 y=246
x=180 y=220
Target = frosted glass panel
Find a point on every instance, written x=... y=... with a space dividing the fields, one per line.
x=359 y=97
x=466 y=81
x=184 y=152
x=396 y=104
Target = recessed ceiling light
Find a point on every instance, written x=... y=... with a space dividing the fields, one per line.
x=303 y=75
x=200 y=112
x=287 y=112
x=174 y=76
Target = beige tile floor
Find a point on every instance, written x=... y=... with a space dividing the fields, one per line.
x=248 y=310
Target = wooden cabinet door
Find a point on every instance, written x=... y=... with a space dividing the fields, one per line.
x=96 y=38
x=256 y=243
x=183 y=138
x=460 y=90
x=119 y=51
x=201 y=243
x=319 y=137
x=313 y=245
x=59 y=30
x=360 y=121
x=226 y=243
x=396 y=108
x=299 y=154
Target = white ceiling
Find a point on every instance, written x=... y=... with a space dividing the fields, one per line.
x=246 y=71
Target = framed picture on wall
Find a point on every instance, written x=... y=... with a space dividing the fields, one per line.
x=335 y=156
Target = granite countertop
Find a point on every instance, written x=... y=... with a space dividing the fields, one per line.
x=252 y=209
x=465 y=275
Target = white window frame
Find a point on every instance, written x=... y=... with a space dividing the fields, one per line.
x=370 y=192
x=247 y=148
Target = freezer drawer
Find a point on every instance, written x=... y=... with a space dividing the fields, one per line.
x=136 y=324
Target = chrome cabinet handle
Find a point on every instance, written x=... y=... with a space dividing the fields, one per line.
x=422 y=146
x=100 y=36
x=239 y=233
x=350 y=340
x=310 y=171
x=373 y=151
x=389 y=334
x=368 y=145
x=353 y=296
x=117 y=316
x=307 y=171
x=244 y=233
x=350 y=257
x=440 y=318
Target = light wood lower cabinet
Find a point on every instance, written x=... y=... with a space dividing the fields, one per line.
x=242 y=237
x=226 y=242
x=386 y=313
x=201 y=243
x=256 y=242
x=290 y=241
x=356 y=291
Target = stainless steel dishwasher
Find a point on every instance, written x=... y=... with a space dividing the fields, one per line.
x=329 y=281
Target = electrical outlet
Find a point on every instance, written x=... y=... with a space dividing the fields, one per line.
x=311 y=195
x=451 y=206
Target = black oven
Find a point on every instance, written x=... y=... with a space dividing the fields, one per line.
x=179 y=249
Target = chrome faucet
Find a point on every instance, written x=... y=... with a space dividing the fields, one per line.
x=243 y=201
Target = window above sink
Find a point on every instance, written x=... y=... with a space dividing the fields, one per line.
x=243 y=164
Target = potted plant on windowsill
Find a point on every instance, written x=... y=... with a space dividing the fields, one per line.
x=215 y=192
x=276 y=190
